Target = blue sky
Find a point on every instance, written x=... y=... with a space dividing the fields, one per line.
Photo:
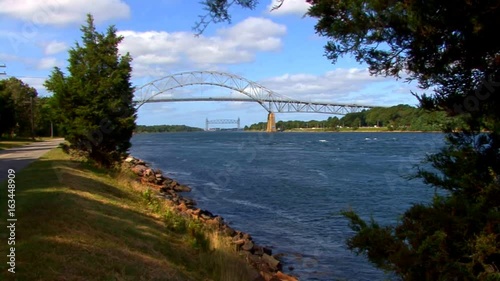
x=277 y=49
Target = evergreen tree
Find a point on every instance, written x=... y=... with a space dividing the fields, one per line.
x=95 y=100
x=446 y=46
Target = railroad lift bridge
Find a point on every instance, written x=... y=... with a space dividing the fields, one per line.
x=271 y=101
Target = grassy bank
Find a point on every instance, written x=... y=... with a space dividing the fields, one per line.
x=76 y=222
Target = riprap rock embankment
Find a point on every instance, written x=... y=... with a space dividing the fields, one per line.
x=261 y=258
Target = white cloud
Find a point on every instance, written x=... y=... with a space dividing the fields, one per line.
x=37 y=83
x=55 y=47
x=8 y=57
x=254 y=33
x=339 y=85
x=48 y=63
x=237 y=44
x=63 y=12
x=297 y=7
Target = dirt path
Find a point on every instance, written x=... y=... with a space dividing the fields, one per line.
x=19 y=157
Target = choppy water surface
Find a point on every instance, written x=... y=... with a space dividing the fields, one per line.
x=287 y=189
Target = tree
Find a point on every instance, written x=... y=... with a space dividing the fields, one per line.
x=95 y=100
x=442 y=45
x=24 y=100
x=354 y=120
x=7 y=110
x=333 y=122
x=447 y=47
x=45 y=117
x=218 y=11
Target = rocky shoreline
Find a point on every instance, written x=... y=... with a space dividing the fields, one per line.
x=261 y=258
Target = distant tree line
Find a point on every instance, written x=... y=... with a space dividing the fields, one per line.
x=22 y=112
x=400 y=117
x=165 y=128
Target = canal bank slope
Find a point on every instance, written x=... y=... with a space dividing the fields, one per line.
x=76 y=222
x=206 y=229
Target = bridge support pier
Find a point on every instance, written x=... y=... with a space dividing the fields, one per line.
x=271 y=123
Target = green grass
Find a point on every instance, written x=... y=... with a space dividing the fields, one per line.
x=76 y=222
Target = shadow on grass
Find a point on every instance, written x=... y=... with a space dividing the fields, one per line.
x=74 y=224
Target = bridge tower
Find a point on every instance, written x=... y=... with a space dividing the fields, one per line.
x=271 y=123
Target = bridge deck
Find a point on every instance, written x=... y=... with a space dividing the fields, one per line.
x=282 y=106
x=270 y=100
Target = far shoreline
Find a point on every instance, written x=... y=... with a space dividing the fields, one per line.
x=294 y=131
x=345 y=131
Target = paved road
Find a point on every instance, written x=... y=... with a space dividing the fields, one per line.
x=19 y=157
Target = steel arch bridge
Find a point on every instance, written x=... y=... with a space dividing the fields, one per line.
x=223 y=122
x=271 y=101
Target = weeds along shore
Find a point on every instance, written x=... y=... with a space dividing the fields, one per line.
x=205 y=230
x=79 y=222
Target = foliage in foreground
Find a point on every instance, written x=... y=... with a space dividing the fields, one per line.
x=443 y=45
x=456 y=237
x=447 y=47
x=94 y=101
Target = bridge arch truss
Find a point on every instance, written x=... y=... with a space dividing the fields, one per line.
x=268 y=99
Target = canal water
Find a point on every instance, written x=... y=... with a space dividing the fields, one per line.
x=287 y=189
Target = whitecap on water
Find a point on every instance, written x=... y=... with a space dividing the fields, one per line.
x=179 y=173
x=319 y=172
x=215 y=186
x=247 y=203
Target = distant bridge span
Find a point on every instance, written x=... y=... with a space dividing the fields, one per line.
x=270 y=100
x=283 y=106
x=222 y=121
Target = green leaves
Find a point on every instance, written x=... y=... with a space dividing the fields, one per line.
x=457 y=235
x=7 y=110
x=448 y=47
x=443 y=45
x=19 y=108
x=95 y=99
x=431 y=41
x=218 y=11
